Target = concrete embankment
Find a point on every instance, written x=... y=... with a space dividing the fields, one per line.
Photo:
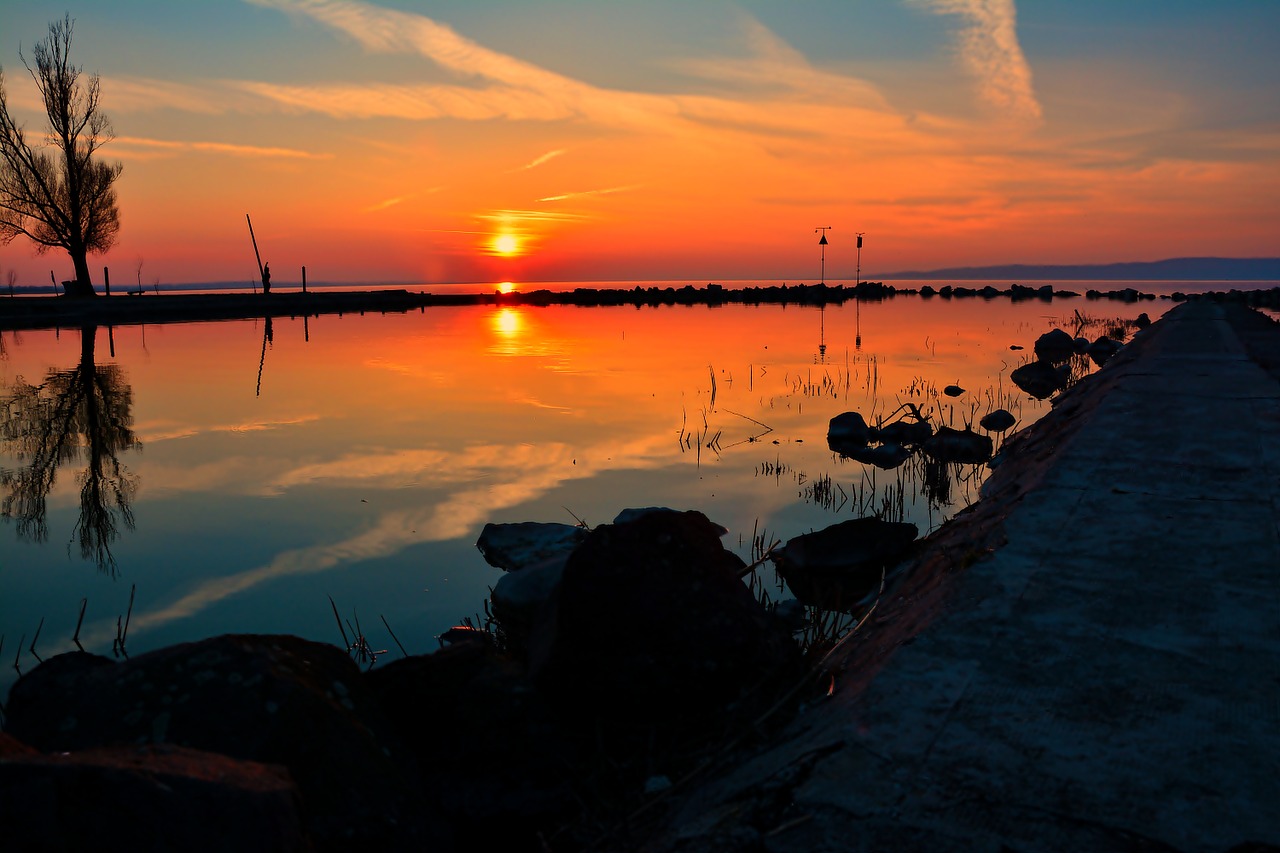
x=1084 y=660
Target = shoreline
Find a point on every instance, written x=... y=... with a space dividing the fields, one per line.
x=36 y=312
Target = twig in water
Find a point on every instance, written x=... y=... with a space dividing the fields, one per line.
x=345 y=642
x=75 y=638
x=122 y=631
x=393 y=635
x=33 y=640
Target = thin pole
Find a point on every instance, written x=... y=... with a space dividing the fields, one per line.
x=858 y=271
x=823 y=229
x=255 y=244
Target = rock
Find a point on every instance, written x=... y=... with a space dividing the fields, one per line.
x=904 y=432
x=835 y=567
x=1142 y=321
x=846 y=430
x=883 y=456
x=487 y=745
x=10 y=746
x=512 y=547
x=654 y=623
x=998 y=421
x=272 y=699
x=1101 y=350
x=1054 y=345
x=1080 y=345
x=148 y=798
x=953 y=390
x=953 y=445
x=1040 y=379
x=1015 y=347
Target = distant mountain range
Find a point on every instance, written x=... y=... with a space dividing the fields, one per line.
x=1172 y=269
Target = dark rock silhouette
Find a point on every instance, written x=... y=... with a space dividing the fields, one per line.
x=271 y=699
x=1101 y=350
x=654 y=623
x=847 y=430
x=954 y=445
x=838 y=565
x=1041 y=379
x=1054 y=345
x=147 y=798
x=998 y=420
x=953 y=391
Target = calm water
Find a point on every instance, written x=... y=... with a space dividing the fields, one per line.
x=264 y=469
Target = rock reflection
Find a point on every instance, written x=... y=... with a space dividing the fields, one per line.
x=81 y=415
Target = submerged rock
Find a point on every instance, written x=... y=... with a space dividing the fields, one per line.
x=846 y=430
x=998 y=421
x=954 y=445
x=1054 y=345
x=883 y=456
x=512 y=547
x=953 y=390
x=1101 y=350
x=905 y=432
x=838 y=565
x=1040 y=379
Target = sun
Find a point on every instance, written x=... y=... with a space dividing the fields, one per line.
x=506 y=245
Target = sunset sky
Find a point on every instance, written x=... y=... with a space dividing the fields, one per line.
x=491 y=140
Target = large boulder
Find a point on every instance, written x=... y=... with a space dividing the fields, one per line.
x=271 y=699
x=147 y=799
x=1055 y=345
x=655 y=624
x=835 y=567
x=490 y=751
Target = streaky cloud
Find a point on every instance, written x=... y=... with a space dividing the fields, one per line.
x=587 y=193
x=544 y=159
x=152 y=147
x=989 y=48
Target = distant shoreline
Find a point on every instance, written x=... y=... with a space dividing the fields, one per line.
x=34 y=312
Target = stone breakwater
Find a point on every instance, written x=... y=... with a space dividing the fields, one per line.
x=42 y=312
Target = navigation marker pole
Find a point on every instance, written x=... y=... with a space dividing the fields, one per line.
x=823 y=243
x=857 y=300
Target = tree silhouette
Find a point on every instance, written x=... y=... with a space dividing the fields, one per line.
x=64 y=198
x=81 y=414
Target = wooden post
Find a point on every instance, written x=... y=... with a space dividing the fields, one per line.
x=304 y=279
x=106 y=282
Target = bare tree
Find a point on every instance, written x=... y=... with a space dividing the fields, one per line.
x=83 y=414
x=64 y=197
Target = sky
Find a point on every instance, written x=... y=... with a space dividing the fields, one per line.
x=582 y=140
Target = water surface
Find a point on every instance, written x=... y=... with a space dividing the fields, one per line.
x=239 y=474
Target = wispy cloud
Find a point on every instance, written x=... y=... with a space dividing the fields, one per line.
x=155 y=147
x=587 y=193
x=386 y=203
x=539 y=161
x=990 y=49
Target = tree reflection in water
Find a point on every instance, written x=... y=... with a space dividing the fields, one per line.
x=80 y=415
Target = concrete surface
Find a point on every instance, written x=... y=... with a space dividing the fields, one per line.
x=1098 y=670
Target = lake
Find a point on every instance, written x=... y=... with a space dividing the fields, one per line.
x=238 y=475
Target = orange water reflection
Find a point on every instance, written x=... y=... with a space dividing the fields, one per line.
x=374 y=437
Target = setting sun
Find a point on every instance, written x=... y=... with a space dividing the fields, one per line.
x=506 y=245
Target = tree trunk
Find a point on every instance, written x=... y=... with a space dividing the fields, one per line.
x=83 y=285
